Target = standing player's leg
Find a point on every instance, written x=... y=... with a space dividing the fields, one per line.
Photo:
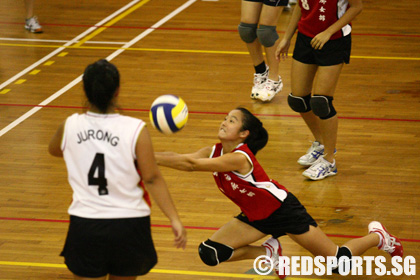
x=31 y=22
x=250 y=15
x=302 y=78
x=268 y=37
x=322 y=106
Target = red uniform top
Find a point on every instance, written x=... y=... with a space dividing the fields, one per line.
x=257 y=195
x=318 y=15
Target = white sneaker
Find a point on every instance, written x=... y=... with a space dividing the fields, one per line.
x=312 y=154
x=270 y=89
x=388 y=242
x=320 y=169
x=274 y=251
x=292 y=2
x=259 y=80
x=33 y=25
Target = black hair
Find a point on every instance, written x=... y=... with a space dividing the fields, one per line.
x=100 y=81
x=258 y=135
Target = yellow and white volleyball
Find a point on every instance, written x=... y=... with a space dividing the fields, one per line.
x=168 y=113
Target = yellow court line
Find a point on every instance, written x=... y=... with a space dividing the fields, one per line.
x=49 y=63
x=20 y=81
x=110 y=23
x=34 y=72
x=191 y=51
x=165 y=271
x=4 y=91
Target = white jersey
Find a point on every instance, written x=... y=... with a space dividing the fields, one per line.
x=99 y=151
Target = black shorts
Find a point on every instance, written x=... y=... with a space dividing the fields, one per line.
x=291 y=217
x=274 y=3
x=121 y=247
x=332 y=53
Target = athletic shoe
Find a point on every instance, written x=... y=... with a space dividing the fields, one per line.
x=259 y=80
x=292 y=2
x=320 y=169
x=388 y=242
x=273 y=248
x=270 y=89
x=312 y=154
x=32 y=25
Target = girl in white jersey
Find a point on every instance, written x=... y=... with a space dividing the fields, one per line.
x=267 y=207
x=322 y=47
x=110 y=161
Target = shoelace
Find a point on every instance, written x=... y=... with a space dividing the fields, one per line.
x=391 y=248
x=316 y=153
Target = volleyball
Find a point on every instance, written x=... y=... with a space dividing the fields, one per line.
x=168 y=113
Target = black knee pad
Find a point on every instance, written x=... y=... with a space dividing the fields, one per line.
x=248 y=32
x=322 y=106
x=267 y=35
x=299 y=104
x=342 y=252
x=213 y=253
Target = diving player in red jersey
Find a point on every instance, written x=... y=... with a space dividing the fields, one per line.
x=322 y=47
x=267 y=207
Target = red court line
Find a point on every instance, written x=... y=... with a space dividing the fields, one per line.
x=168 y=226
x=210 y=113
x=200 y=29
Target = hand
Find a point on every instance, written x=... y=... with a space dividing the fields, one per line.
x=282 y=49
x=180 y=234
x=320 y=39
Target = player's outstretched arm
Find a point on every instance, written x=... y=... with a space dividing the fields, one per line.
x=200 y=161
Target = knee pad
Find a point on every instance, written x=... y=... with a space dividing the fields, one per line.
x=299 y=104
x=267 y=35
x=248 y=32
x=322 y=106
x=213 y=253
x=342 y=252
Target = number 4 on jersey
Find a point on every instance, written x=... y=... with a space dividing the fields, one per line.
x=100 y=181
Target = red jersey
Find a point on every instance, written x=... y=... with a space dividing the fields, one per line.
x=255 y=193
x=318 y=15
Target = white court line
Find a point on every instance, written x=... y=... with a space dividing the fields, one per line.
x=74 y=40
x=110 y=57
x=60 y=41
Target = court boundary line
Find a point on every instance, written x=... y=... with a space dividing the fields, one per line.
x=187 y=227
x=165 y=271
x=110 y=57
x=213 y=113
x=72 y=41
x=208 y=29
x=190 y=51
x=58 y=41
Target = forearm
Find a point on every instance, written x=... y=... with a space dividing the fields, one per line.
x=175 y=161
x=159 y=191
x=293 y=24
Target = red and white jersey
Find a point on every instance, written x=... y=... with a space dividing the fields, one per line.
x=99 y=151
x=318 y=15
x=255 y=193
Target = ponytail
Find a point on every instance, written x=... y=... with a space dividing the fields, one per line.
x=258 y=135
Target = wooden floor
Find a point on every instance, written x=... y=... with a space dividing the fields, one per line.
x=196 y=53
